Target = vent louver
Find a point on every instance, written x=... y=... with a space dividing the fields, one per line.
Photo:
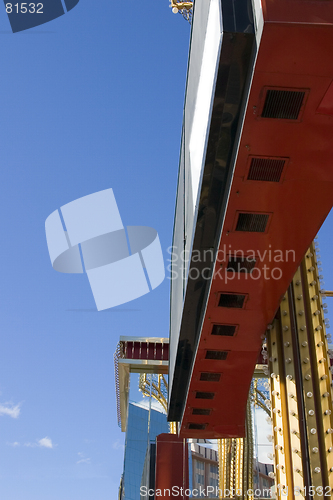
x=241 y=264
x=201 y=411
x=199 y=427
x=210 y=377
x=231 y=300
x=253 y=223
x=205 y=395
x=266 y=169
x=225 y=330
x=220 y=355
x=283 y=104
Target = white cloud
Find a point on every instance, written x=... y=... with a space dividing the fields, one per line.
x=41 y=443
x=15 y=444
x=83 y=459
x=117 y=445
x=10 y=410
x=45 y=443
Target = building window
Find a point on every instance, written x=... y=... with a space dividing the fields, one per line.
x=200 y=466
x=213 y=469
x=200 y=479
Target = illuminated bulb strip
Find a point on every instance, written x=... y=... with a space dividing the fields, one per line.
x=320 y=354
x=276 y=397
x=312 y=308
x=292 y=423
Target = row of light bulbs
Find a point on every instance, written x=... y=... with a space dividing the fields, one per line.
x=306 y=360
x=322 y=290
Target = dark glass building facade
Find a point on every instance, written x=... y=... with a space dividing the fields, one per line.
x=142 y=428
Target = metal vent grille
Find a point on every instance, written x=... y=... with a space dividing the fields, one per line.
x=210 y=377
x=231 y=300
x=205 y=395
x=216 y=355
x=283 y=104
x=225 y=330
x=199 y=427
x=201 y=411
x=253 y=223
x=266 y=169
x=241 y=264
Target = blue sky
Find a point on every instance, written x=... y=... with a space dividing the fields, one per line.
x=89 y=101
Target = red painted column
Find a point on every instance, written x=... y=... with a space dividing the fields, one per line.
x=171 y=473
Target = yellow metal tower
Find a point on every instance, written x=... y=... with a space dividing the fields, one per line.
x=236 y=463
x=301 y=391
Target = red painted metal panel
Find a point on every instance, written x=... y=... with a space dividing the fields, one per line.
x=159 y=351
x=165 y=352
x=326 y=105
x=298 y=11
x=171 y=466
x=151 y=351
x=293 y=54
x=136 y=350
x=129 y=350
x=146 y=350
